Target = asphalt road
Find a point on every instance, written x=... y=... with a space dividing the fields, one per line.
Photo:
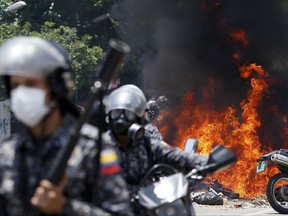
x=235 y=208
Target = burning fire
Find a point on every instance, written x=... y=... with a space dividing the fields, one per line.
x=237 y=129
x=240 y=36
x=237 y=132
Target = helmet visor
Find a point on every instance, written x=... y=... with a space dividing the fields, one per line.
x=115 y=114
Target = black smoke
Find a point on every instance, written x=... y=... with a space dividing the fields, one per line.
x=182 y=44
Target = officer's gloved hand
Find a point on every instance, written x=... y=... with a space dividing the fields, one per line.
x=48 y=198
x=200 y=160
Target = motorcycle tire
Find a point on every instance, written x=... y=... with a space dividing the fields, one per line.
x=270 y=193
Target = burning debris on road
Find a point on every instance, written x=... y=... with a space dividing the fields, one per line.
x=210 y=198
x=211 y=192
x=208 y=194
x=260 y=201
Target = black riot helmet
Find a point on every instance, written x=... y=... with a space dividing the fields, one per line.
x=34 y=58
x=128 y=97
x=126 y=108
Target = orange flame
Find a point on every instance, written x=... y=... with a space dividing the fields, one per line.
x=237 y=131
x=240 y=36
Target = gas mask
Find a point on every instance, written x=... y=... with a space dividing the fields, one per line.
x=28 y=105
x=124 y=122
x=136 y=131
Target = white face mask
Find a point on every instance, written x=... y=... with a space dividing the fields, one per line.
x=28 y=105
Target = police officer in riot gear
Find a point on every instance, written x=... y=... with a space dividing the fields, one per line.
x=123 y=113
x=126 y=110
x=149 y=129
x=154 y=107
x=38 y=77
x=153 y=110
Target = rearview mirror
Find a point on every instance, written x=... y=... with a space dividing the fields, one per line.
x=221 y=158
x=191 y=145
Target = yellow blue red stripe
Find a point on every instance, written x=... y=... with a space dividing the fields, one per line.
x=166 y=144
x=109 y=162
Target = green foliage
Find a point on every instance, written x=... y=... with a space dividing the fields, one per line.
x=72 y=13
x=5 y=3
x=84 y=57
x=69 y=23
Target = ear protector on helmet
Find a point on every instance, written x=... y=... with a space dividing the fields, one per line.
x=61 y=83
x=60 y=80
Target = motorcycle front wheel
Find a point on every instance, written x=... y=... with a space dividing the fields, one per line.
x=277 y=192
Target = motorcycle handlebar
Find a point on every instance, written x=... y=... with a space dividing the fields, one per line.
x=220 y=158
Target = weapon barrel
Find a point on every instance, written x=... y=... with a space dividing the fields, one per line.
x=107 y=71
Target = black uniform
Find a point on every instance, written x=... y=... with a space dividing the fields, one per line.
x=153 y=132
x=139 y=157
x=24 y=162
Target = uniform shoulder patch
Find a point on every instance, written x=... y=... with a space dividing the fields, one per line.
x=165 y=144
x=109 y=162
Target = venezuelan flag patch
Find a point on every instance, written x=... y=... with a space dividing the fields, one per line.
x=166 y=144
x=109 y=162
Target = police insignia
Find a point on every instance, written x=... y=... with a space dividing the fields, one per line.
x=109 y=162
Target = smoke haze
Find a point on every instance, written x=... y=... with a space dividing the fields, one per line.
x=185 y=43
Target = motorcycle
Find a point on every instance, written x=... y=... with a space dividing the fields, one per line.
x=164 y=191
x=277 y=187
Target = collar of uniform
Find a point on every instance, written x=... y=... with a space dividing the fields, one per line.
x=115 y=142
x=26 y=141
